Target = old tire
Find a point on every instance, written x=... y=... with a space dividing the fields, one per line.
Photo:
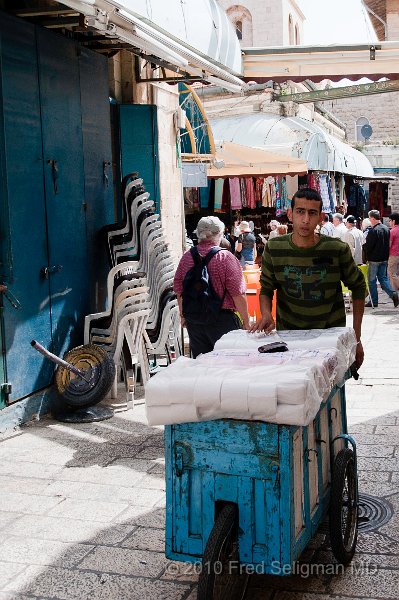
x=100 y=372
x=220 y=577
x=344 y=507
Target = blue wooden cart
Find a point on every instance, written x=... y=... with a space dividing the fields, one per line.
x=249 y=493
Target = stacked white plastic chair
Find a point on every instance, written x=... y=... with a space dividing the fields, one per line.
x=142 y=317
x=120 y=328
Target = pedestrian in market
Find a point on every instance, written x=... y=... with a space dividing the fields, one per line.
x=377 y=252
x=273 y=229
x=246 y=245
x=393 y=260
x=327 y=227
x=354 y=239
x=339 y=226
x=214 y=303
x=306 y=270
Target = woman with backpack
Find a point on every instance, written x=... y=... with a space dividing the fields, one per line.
x=246 y=245
x=210 y=289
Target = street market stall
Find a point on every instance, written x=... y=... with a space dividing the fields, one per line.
x=336 y=169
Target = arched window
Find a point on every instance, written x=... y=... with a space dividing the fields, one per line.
x=239 y=29
x=359 y=124
x=241 y=19
x=290 y=31
x=297 y=39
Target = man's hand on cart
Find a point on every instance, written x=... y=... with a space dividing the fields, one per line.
x=265 y=323
x=359 y=358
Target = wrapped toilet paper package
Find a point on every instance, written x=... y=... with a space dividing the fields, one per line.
x=236 y=381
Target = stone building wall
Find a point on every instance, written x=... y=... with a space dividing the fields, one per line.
x=381 y=111
x=265 y=23
x=382 y=149
x=392 y=10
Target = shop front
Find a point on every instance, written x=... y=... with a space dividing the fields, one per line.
x=61 y=145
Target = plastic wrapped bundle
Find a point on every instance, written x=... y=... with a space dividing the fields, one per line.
x=282 y=387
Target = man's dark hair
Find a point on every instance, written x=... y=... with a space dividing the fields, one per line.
x=327 y=218
x=395 y=218
x=307 y=194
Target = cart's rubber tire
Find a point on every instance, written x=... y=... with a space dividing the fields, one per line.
x=343 y=507
x=222 y=547
x=100 y=367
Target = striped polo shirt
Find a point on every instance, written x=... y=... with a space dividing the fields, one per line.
x=308 y=282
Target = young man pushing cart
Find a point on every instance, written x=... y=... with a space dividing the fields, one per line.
x=306 y=271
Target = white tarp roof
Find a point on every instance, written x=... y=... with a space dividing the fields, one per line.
x=292 y=136
x=195 y=35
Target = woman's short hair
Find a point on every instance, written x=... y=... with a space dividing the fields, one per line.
x=209 y=228
x=395 y=218
x=366 y=223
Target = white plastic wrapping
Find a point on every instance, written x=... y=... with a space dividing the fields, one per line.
x=236 y=381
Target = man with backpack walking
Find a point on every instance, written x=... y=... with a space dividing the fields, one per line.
x=210 y=289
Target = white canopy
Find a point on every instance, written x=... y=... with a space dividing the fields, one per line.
x=241 y=161
x=194 y=35
x=292 y=136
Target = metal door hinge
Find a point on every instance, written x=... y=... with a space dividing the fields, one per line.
x=6 y=388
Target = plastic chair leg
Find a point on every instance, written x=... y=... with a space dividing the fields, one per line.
x=114 y=389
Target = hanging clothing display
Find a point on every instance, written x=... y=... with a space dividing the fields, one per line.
x=324 y=192
x=330 y=194
x=243 y=191
x=250 y=192
x=258 y=191
x=205 y=193
x=191 y=199
x=285 y=201
x=235 y=193
x=356 y=198
x=218 y=193
x=313 y=182
x=226 y=201
x=269 y=192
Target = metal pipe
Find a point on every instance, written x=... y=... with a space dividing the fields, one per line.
x=219 y=90
x=374 y=14
x=58 y=361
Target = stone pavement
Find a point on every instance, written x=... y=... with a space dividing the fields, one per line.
x=82 y=507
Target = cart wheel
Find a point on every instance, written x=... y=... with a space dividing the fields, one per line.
x=343 y=507
x=99 y=369
x=220 y=576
